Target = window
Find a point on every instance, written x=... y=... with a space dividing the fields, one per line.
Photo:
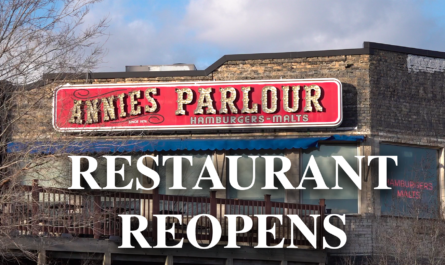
x=245 y=171
x=342 y=201
x=413 y=182
x=130 y=173
x=190 y=174
x=50 y=171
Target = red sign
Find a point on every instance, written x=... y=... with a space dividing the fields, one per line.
x=199 y=105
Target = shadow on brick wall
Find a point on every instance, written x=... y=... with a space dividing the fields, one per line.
x=350 y=106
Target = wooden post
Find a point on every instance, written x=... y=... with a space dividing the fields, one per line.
x=4 y=186
x=229 y=261
x=7 y=207
x=97 y=214
x=320 y=226
x=213 y=203
x=213 y=211
x=35 y=207
x=268 y=210
x=155 y=211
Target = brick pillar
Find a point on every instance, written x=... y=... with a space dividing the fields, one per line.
x=169 y=260
x=107 y=259
x=41 y=257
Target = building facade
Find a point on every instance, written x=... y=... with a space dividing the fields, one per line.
x=391 y=105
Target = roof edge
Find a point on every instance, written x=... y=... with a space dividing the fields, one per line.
x=368 y=48
x=403 y=49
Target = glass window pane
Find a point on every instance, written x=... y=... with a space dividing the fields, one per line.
x=190 y=175
x=342 y=201
x=413 y=182
x=245 y=175
x=130 y=173
x=51 y=172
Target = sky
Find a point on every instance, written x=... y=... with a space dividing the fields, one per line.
x=202 y=31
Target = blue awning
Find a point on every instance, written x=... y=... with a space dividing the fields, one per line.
x=111 y=146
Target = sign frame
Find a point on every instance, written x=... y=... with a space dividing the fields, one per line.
x=196 y=127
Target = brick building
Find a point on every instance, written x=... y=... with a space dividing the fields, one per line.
x=391 y=104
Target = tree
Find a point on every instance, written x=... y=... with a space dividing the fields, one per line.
x=37 y=37
x=46 y=36
x=415 y=233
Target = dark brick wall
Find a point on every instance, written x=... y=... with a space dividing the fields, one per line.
x=402 y=102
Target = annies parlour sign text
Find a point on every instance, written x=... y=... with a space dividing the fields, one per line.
x=199 y=105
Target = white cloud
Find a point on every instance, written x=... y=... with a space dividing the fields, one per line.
x=286 y=25
x=204 y=30
x=135 y=39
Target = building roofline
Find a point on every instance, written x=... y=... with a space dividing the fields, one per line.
x=368 y=48
x=402 y=49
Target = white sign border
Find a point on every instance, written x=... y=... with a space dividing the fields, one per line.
x=204 y=126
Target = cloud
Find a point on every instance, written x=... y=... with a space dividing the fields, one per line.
x=141 y=35
x=201 y=31
x=286 y=25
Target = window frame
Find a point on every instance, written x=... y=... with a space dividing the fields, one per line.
x=439 y=174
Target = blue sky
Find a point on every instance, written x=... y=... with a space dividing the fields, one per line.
x=201 y=31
